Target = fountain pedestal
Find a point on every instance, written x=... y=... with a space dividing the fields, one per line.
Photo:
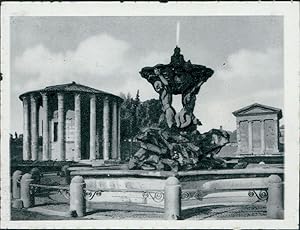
x=176 y=144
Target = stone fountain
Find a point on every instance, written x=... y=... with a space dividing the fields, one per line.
x=176 y=144
x=174 y=148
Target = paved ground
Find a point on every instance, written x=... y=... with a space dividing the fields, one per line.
x=112 y=212
x=57 y=207
x=23 y=214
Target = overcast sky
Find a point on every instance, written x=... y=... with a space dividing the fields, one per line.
x=107 y=53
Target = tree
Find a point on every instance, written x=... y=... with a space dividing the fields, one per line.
x=136 y=115
x=123 y=96
x=126 y=118
x=151 y=113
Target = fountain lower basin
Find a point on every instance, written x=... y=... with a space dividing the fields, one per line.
x=136 y=186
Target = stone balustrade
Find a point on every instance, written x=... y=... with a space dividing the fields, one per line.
x=172 y=193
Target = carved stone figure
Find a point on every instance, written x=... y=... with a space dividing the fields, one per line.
x=161 y=87
x=178 y=145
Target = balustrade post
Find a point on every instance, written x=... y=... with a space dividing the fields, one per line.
x=66 y=173
x=16 y=192
x=275 y=198
x=26 y=196
x=172 y=197
x=36 y=175
x=77 y=196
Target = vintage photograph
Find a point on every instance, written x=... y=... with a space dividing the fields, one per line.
x=146 y=117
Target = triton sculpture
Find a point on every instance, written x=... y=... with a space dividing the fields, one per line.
x=177 y=144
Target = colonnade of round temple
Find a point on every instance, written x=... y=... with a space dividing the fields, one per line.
x=76 y=123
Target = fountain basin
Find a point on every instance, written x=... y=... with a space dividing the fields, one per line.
x=137 y=186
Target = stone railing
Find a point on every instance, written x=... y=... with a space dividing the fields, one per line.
x=270 y=190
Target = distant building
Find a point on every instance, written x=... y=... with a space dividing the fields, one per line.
x=232 y=138
x=258 y=129
x=229 y=150
x=281 y=134
x=78 y=122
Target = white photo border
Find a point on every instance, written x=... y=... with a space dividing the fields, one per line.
x=290 y=13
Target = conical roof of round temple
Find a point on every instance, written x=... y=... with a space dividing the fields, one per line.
x=70 y=87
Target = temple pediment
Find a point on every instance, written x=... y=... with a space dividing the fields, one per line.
x=256 y=109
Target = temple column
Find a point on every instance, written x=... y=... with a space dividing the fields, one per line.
x=77 y=109
x=61 y=127
x=238 y=135
x=97 y=139
x=114 y=139
x=106 y=121
x=34 y=128
x=119 y=132
x=46 y=142
x=93 y=127
x=276 y=126
x=250 y=137
x=262 y=136
x=26 y=129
